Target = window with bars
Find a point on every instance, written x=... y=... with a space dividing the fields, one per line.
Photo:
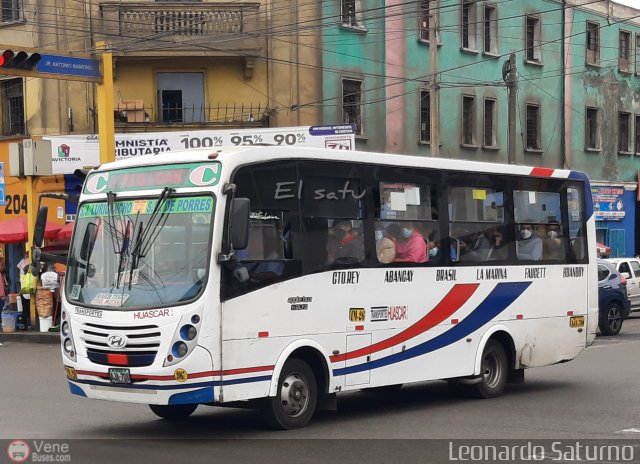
x=532 y=37
x=593 y=43
x=468 y=24
x=490 y=119
x=624 y=51
x=11 y=11
x=624 y=127
x=490 y=29
x=591 y=131
x=425 y=116
x=533 y=127
x=352 y=103
x=12 y=107
x=468 y=120
x=352 y=13
x=637 y=61
x=424 y=19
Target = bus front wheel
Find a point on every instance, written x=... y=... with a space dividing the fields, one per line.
x=494 y=371
x=296 y=397
x=173 y=411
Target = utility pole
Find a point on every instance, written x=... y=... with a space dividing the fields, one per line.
x=509 y=75
x=106 y=129
x=434 y=100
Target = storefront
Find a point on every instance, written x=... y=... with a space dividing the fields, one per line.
x=614 y=205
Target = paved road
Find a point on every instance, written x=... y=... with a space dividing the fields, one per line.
x=592 y=397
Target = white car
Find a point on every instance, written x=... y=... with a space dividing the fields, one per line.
x=630 y=268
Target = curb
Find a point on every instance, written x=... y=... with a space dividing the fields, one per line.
x=49 y=338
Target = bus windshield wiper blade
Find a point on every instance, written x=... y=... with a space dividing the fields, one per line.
x=147 y=235
x=124 y=250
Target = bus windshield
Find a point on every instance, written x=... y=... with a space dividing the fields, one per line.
x=140 y=253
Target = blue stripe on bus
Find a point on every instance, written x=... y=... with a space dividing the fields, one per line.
x=136 y=386
x=203 y=395
x=498 y=300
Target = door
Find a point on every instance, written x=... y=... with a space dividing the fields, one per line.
x=355 y=342
x=616 y=242
x=180 y=97
x=633 y=281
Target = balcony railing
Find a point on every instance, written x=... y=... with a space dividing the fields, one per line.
x=182 y=25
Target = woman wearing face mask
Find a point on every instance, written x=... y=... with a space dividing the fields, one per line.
x=410 y=246
x=529 y=247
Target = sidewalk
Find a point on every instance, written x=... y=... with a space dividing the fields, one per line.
x=52 y=338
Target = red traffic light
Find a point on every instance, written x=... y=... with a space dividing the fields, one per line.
x=19 y=59
x=6 y=58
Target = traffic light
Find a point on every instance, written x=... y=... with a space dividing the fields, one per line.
x=18 y=59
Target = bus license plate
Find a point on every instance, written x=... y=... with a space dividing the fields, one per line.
x=119 y=376
x=576 y=321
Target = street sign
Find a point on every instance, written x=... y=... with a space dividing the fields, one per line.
x=68 y=66
x=49 y=64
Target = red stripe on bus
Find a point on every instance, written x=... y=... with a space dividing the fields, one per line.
x=542 y=172
x=452 y=301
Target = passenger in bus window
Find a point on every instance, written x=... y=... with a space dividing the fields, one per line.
x=410 y=245
x=345 y=246
x=499 y=250
x=529 y=247
x=553 y=243
x=385 y=247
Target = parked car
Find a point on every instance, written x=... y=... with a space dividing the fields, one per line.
x=613 y=303
x=603 y=250
x=630 y=269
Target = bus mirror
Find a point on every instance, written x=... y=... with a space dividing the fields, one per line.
x=41 y=223
x=240 y=209
x=88 y=241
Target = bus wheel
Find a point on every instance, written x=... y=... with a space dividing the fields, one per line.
x=173 y=411
x=296 y=397
x=612 y=322
x=494 y=371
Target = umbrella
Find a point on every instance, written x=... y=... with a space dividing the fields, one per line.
x=65 y=233
x=15 y=230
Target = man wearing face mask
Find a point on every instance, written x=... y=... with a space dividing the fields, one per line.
x=411 y=246
x=529 y=247
x=345 y=246
x=553 y=244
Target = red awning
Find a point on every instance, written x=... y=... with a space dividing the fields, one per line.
x=15 y=230
x=64 y=235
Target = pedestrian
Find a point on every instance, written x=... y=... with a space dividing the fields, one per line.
x=25 y=298
x=50 y=281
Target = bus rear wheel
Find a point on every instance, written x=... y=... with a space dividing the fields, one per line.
x=296 y=397
x=494 y=370
x=173 y=411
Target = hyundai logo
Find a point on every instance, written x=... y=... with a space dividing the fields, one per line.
x=117 y=340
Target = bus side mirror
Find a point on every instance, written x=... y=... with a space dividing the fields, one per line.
x=88 y=240
x=240 y=208
x=41 y=223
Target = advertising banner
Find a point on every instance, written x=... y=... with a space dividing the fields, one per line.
x=607 y=202
x=71 y=152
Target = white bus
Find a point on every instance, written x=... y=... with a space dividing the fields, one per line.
x=278 y=277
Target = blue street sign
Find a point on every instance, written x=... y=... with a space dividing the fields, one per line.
x=343 y=129
x=2 y=198
x=68 y=66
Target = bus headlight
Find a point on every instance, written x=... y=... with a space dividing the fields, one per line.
x=66 y=337
x=188 y=332
x=64 y=329
x=68 y=345
x=179 y=349
x=185 y=339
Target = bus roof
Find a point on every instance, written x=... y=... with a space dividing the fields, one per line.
x=236 y=156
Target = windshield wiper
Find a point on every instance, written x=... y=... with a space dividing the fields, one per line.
x=146 y=236
x=124 y=250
